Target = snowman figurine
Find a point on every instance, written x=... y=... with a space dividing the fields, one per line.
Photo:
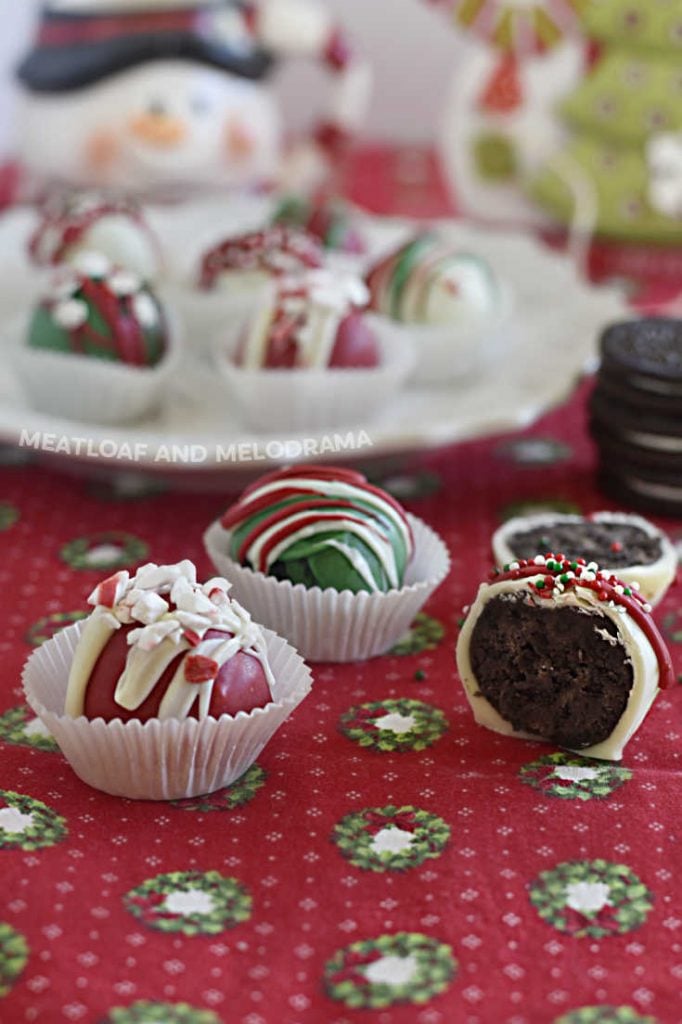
x=154 y=95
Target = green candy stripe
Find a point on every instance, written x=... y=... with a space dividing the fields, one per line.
x=406 y=261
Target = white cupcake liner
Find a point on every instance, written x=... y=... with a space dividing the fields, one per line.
x=447 y=353
x=212 y=318
x=328 y=625
x=93 y=390
x=159 y=760
x=296 y=400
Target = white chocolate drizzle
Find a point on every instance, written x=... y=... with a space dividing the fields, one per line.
x=172 y=614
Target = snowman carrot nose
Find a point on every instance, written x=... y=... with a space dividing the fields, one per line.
x=158 y=129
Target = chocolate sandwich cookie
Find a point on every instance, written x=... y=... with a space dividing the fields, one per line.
x=636 y=414
x=625 y=544
x=615 y=388
x=645 y=355
x=559 y=650
x=645 y=488
x=643 y=479
x=646 y=429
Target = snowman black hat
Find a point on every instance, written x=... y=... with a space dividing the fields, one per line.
x=80 y=42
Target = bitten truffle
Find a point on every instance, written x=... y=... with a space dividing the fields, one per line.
x=559 y=650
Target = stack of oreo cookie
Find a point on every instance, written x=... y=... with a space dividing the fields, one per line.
x=636 y=414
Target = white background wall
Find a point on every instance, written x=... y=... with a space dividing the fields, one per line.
x=412 y=48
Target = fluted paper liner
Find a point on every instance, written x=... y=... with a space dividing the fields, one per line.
x=213 y=318
x=447 y=353
x=95 y=390
x=315 y=399
x=328 y=625
x=160 y=760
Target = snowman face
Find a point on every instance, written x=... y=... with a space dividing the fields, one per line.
x=166 y=122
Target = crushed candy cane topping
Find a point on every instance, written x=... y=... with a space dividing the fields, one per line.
x=172 y=623
x=169 y=604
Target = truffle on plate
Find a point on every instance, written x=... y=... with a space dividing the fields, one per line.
x=250 y=260
x=562 y=651
x=332 y=221
x=312 y=321
x=449 y=300
x=75 y=222
x=310 y=357
x=430 y=281
x=625 y=544
x=99 y=345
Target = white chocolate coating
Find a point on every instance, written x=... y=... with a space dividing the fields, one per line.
x=637 y=649
x=654 y=578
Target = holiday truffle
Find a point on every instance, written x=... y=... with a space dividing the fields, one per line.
x=622 y=543
x=160 y=645
x=251 y=260
x=72 y=223
x=559 y=650
x=98 y=310
x=430 y=281
x=330 y=221
x=312 y=321
x=321 y=527
x=635 y=414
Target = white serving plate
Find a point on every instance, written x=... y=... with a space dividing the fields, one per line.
x=550 y=343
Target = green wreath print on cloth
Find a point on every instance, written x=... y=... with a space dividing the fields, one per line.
x=20 y=727
x=28 y=823
x=604 y=1015
x=533 y=451
x=390 y=838
x=9 y=514
x=145 y=1012
x=424 y=634
x=390 y=725
x=239 y=793
x=404 y=968
x=190 y=902
x=571 y=777
x=104 y=551
x=13 y=956
x=44 y=629
x=591 y=898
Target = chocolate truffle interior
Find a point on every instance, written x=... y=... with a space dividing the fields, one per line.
x=559 y=673
x=591 y=541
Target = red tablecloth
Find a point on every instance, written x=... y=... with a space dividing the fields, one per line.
x=268 y=903
x=467 y=923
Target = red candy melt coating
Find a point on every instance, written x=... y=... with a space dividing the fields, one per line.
x=356 y=344
x=240 y=685
x=355 y=347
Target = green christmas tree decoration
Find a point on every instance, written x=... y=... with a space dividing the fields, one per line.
x=625 y=119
